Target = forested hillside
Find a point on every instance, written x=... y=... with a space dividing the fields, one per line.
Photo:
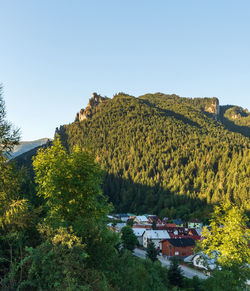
x=165 y=154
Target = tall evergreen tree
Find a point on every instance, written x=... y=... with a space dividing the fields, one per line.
x=152 y=251
x=175 y=274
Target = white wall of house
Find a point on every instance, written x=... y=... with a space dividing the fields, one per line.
x=140 y=240
x=157 y=242
x=139 y=234
x=156 y=236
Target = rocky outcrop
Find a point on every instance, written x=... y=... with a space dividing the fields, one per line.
x=94 y=101
x=213 y=108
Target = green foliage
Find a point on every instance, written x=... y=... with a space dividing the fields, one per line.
x=228 y=241
x=128 y=238
x=130 y=222
x=228 y=278
x=163 y=154
x=8 y=136
x=229 y=236
x=131 y=273
x=152 y=251
x=175 y=274
x=70 y=185
x=57 y=264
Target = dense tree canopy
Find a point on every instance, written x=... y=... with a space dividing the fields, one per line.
x=70 y=184
x=128 y=238
x=164 y=154
x=229 y=237
x=228 y=242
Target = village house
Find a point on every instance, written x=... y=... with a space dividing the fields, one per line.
x=139 y=234
x=154 y=218
x=178 y=222
x=141 y=219
x=116 y=227
x=122 y=216
x=156 y=236
x=120 y=225
x=183 y=232
x=195 y=223
x=203 y=261
x=179 y=247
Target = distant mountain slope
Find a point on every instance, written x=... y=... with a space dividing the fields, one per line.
x=25 y=159
x=26 y=146
x=164 y=154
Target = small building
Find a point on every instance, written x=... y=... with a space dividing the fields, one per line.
x=179 y=247
x=141 y=219
x=123 y=217
x=116 y=227
x=178 y=222
x=156 y=236
x=139 y=234
x=203 y=261
x=120 y=225
x=195 y=223
x=154 y=218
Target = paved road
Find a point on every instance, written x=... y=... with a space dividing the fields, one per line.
x=187 y=272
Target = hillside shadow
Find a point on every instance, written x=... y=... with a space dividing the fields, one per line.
x=230 y=125
x=166 y=112
x=128 y=196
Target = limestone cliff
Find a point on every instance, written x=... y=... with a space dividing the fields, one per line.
x=213 y=108
x=94 y=101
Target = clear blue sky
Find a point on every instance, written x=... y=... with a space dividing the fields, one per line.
x=55 y=53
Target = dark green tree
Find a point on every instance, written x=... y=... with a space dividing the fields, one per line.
x=175 y=274
x=152 y=251
x=130 y=222
x=129 y=240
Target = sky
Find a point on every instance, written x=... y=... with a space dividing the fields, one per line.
x=55 y=53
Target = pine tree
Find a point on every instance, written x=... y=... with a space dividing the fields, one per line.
x=175 y=273
x=152 y=251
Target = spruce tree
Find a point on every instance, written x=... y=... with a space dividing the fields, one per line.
x=152 y=251
x=175 y=273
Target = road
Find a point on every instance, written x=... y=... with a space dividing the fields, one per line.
x=187 y=272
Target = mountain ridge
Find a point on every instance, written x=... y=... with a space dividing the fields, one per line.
x=25 y=146
x=169 y=147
